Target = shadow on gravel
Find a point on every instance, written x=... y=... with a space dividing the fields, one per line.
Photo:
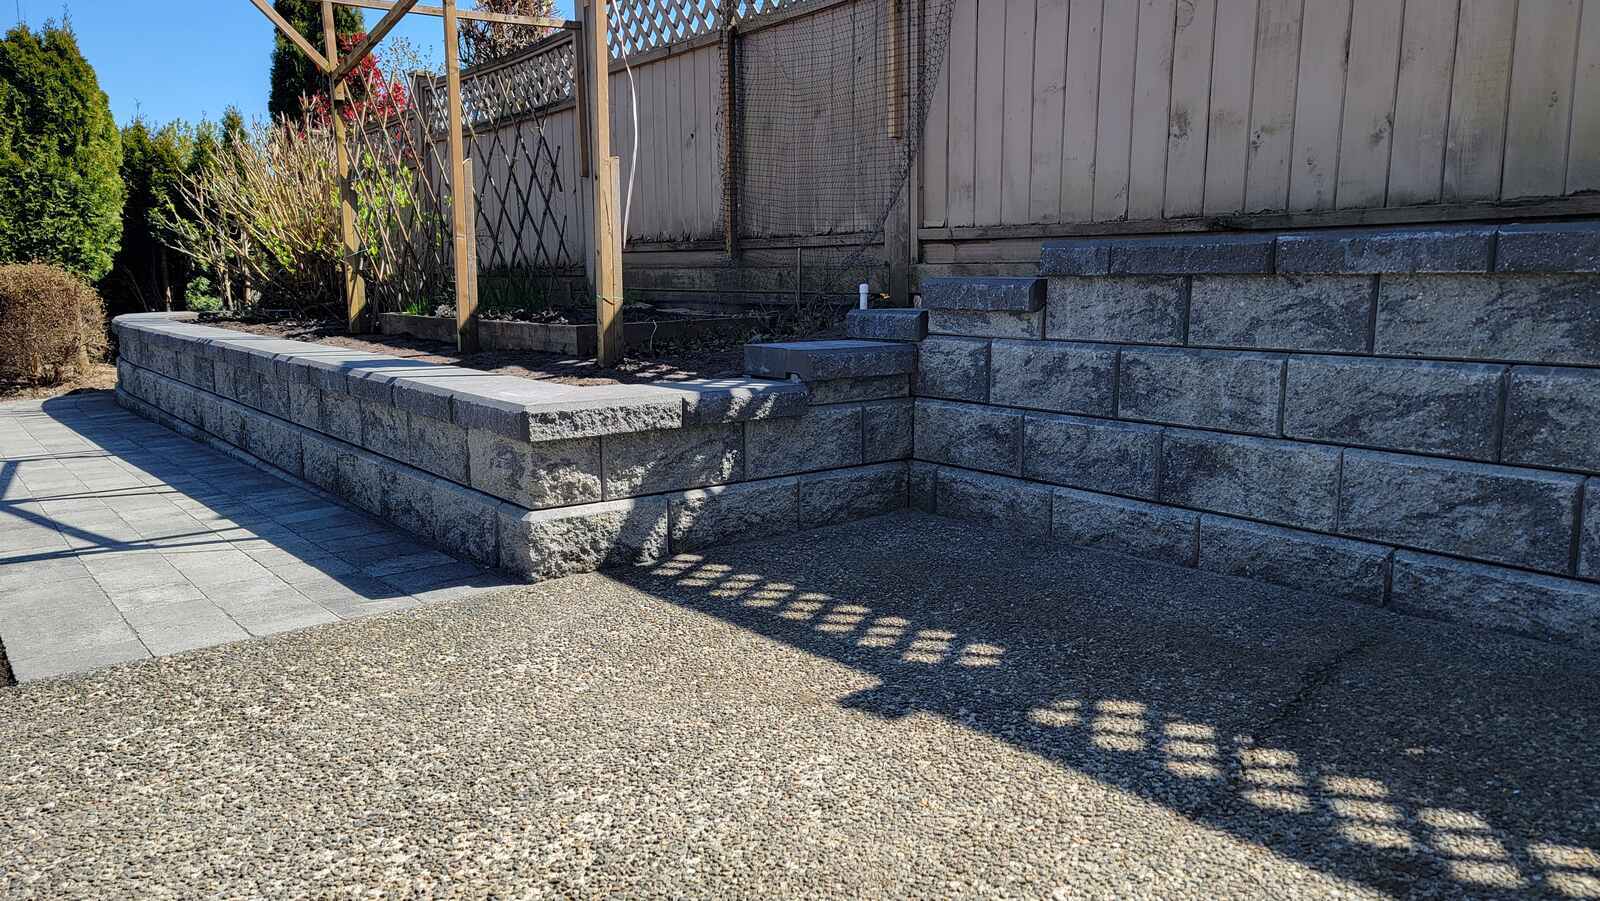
x=1417 y=758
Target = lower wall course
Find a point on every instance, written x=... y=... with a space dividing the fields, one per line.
x=691 y=457
x=730 y=513
x=887 y=430
x=1553 y=417
x=1412 y=405
x=824 y=437
x=1538 y=606
x=971 y=436
x=953 y=368
x=465 y=522
x=1124 y=526
x=1059 y=376
x=1282 y=482
x=1096 y=454
x=841 y=495
x=536 y=476
x=1589 y=533
x=1320 y=564
x=923 y=486
x=545 y=544
x=1005 y=502
x=1500 y=514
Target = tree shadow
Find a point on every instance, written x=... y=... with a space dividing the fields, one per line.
x=1414 y=757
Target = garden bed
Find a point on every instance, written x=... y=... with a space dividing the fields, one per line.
x=558 y=333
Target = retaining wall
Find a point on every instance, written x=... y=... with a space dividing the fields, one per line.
x=538 y=478
x=1407 y=418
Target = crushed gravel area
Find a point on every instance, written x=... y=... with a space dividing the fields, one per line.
x=901 y=707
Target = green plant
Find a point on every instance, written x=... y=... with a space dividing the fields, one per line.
x=201 y=297
x=52 y=324
x=295 y=77
x=146 y=273
x=60 y=189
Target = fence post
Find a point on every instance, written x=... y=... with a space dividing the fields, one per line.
x=460 y=192
x=606 y=269
x=352 y=286
x=730 y=133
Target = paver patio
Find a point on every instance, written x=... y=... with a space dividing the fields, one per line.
x=120 y=540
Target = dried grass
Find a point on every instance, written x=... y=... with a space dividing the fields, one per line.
x=52 y=325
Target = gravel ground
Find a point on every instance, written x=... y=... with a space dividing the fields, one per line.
x=905 y=706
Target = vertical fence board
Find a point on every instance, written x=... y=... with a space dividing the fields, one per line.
x=1119 y=37
x=1232 y=71
x=1272 y=105
x=1191 y=101
x=1583 y=155
x=1016 y=149
x=1368 y=128
x=1079 y=121
x=1478 y=95
x=1049 y=104
x=935 y=167
x=963 y=110
x=1541 y=98
x=1319 y=104
x=1152 y=96
x=1422 y=101
x=990 y=123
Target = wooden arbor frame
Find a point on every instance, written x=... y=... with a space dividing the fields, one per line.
x=591 y=79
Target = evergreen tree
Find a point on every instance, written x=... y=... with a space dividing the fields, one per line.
x=293 y=74
x=147 y=273
x=61 y=189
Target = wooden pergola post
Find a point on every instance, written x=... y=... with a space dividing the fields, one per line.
x=354 y=287
x=462 y=229
x=605 y=186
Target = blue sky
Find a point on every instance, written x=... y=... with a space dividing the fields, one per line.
x=187 y=58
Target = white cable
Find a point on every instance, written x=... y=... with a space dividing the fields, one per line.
x=633 y=160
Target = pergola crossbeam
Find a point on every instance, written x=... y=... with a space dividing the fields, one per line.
x=472 y=14
x=294 y=35
x=374 y=35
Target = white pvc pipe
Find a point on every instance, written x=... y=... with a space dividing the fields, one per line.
x=863 y=295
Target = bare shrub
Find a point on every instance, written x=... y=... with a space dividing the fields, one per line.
x=52 y=324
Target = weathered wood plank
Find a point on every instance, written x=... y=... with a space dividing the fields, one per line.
x=1191 y=103
x=1541 y=98
x=1422 y=102
x=963 y=112
x=1119 y=38
x=935 y=169
x=1016 y=129
x=1228 y=138
x=1319 y=105
x=1583 y=157
x=990 y=111
x=1152 y=95
x=1079 y=124
x=1272 y=105
x=1049 y=104
x=1369 y=103
x=1479 y=86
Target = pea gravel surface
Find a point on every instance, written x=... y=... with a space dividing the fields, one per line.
x=905 y=706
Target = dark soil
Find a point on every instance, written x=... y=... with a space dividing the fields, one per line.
x=631 y=312
x=721 y=359
x=98 y=376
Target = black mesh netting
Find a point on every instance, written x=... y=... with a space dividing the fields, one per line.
x=829 y=106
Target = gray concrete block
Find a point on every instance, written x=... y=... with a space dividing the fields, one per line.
x=546 y=544
x=821 y=361
x=996 y=500
x=1464 y=248
x=1076 y=256
x=407 y=498
x=840 y=391
x=1283 y=482
x=1271 y=312
x=1191 y=254
x=305 y=406
x=429 y=392
x=672 y=460
x=983 y=292
x=607 y=410
x=1534 y=318
x=1060 y=376
x=1494 y=513
x=1123 y=526
x=273 y=440
x=384 y=429
x=1228 y=390
x=436 y=447
x=466 y=522
x=1441 y=408
x=953 y=368
x=730 y=513
x=1320 y=564
x=843 y=495
x=1096 y=454
x=1146 y=310
x=887 y=324
x=1542 y=607
x=887 y=430
x=708 y=401
x=1549 y=247
x=1589 y=532
x=343 y=471
x=825 y=437
x=923 y=485
x=547 y=474
x=972 y=436
x=986 y=324
x=1553 y=418
x=339 y=415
